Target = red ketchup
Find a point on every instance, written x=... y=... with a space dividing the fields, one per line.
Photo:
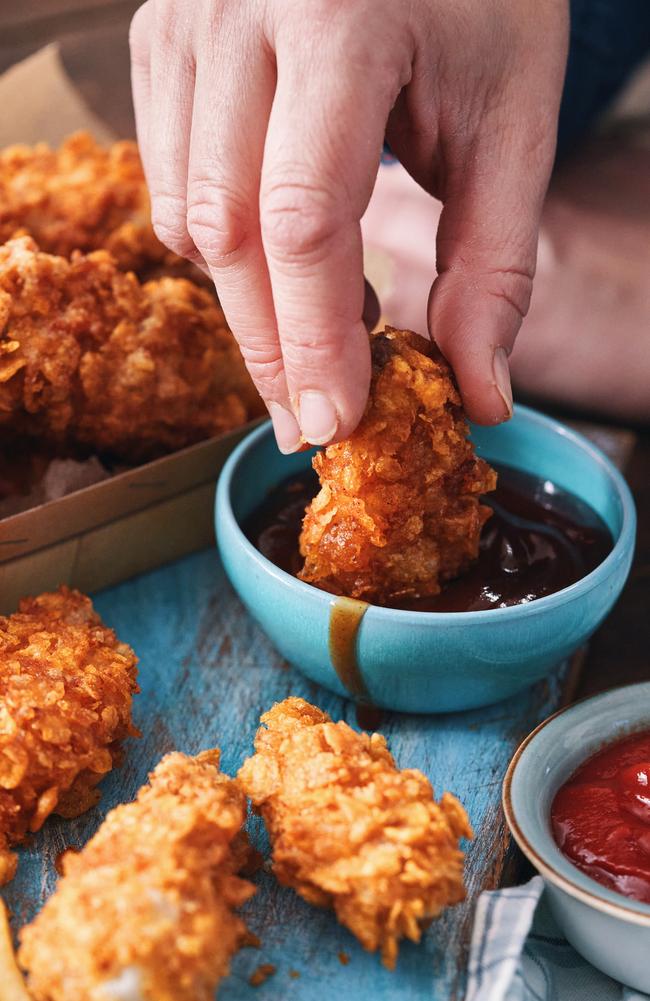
x=601 y=817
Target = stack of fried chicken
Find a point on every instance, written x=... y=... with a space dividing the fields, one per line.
x=108 y=342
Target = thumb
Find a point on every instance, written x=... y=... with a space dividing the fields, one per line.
x=475 y=312
x=486 y=252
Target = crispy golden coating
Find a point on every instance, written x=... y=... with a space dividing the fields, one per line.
x=145 y=911
x=66 y=685
x=82 y=197
x=351 y=831
x=90 y=357
x=398 y=511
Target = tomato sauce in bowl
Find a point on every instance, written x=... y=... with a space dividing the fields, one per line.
x=601 y=816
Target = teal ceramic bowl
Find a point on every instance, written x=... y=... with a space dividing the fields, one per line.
x=424 y=662
x=611 y=931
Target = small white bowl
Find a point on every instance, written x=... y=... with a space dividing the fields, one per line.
x=611 y=931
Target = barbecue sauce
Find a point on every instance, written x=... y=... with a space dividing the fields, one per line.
x=539 y=540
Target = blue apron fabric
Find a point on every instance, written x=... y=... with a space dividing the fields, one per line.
x=609 y=40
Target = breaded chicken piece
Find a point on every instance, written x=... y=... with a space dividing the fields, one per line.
x=351 y=831
x=66 y=685
x=82 y=197
x=398 y=512
x=90 y=357
x=145 y=911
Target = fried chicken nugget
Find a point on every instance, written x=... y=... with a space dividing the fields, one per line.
x=398 y=512
x=145 y=911
x=90 y=357
x=351 y=831
x=81 y=197
x=66 y=685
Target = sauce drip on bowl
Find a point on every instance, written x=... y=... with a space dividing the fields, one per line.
x=539 y=540
x=345 y=618
x=601 y=817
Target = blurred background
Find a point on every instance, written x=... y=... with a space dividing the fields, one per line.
x=92 y=35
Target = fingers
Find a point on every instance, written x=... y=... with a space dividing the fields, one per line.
x=165 y=138
x=203 y=160
x=320 y=162
x=231 y=110
x=285 y=252
x=486 y=245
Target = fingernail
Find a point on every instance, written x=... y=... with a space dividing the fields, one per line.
x=285 y=426
x=317 y=416
x=501 y=373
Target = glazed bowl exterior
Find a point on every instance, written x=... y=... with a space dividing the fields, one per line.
x=611 y=931
x=425 y=662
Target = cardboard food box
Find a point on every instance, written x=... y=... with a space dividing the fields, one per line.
x=136 y=519
x=132 y=522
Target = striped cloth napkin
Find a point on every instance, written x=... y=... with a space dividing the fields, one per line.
x=519 y=954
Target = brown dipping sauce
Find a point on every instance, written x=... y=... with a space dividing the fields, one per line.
x=539 y=540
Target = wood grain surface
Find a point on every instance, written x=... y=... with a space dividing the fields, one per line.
x=207 y=673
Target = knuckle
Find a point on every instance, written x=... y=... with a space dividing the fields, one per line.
x=168 y=24
x=303 y=351
x=218 y=223
x=513 y=285
x=298 y=221
x=169 y=225
x=266 y=368
x=264 y=352
x=174 y=238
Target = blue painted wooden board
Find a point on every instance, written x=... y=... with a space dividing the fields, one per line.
x=207 y=673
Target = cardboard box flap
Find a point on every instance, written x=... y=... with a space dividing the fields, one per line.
x=112 y=499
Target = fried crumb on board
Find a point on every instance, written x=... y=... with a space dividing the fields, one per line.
x=261 y=974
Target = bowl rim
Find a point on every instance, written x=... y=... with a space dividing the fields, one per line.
x=622 y=545
x=598 y=897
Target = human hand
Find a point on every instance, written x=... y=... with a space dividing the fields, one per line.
x=261 y=124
